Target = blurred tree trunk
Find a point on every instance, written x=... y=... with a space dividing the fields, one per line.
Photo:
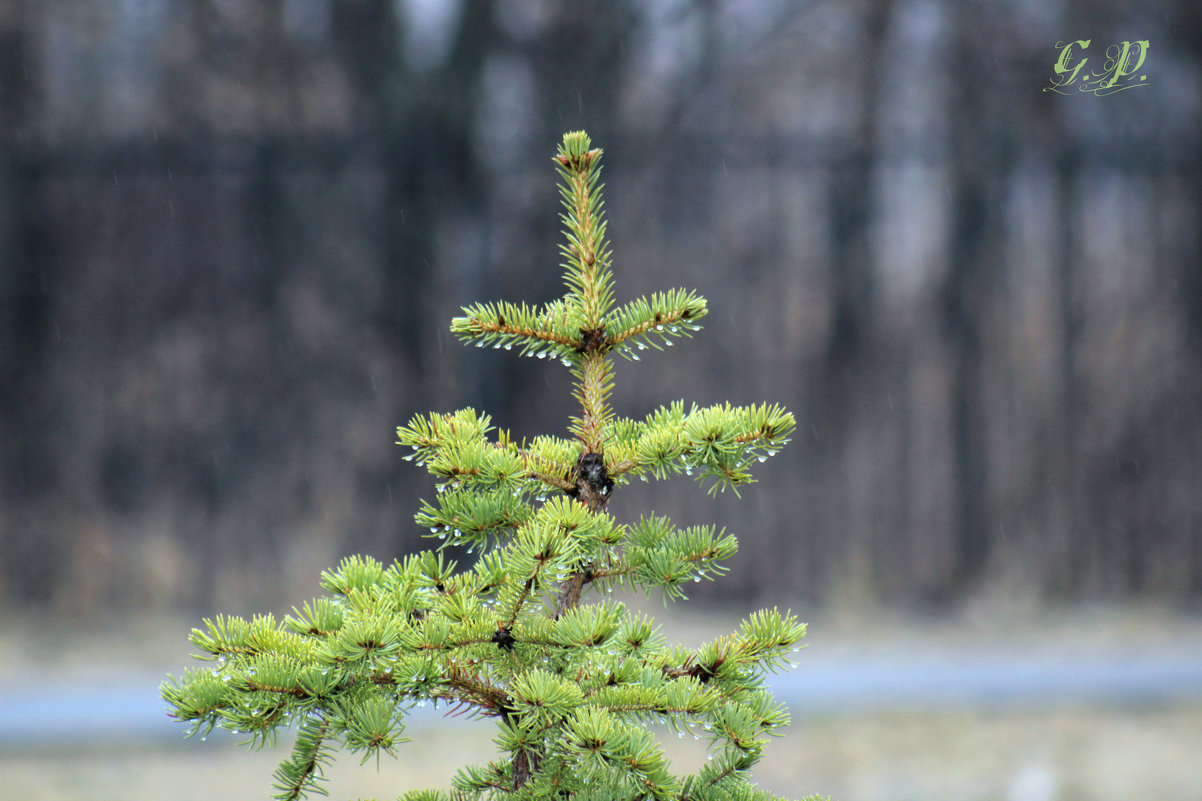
x=980 y=158
x=27 y=275
x=425 y=121
x=1188 y=29
x=1187 y=26
x=851 y=338
x=432 y=219
x=1067 y=561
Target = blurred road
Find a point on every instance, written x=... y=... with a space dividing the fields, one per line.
x=58 y=708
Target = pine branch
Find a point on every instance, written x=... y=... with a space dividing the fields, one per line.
x=303 y=770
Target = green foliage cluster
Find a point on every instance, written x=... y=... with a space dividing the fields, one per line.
x=572 y=686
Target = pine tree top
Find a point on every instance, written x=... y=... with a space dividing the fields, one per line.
x=571 y=685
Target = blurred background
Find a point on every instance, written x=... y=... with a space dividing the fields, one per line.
x=233 y=234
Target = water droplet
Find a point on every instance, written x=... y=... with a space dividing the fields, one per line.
x=508 y=347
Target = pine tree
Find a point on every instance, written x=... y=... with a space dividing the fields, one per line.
x=572 y=686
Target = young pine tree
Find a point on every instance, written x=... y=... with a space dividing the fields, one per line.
x=571 y=685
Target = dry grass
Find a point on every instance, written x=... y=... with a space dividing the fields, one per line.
x=1057 y=755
